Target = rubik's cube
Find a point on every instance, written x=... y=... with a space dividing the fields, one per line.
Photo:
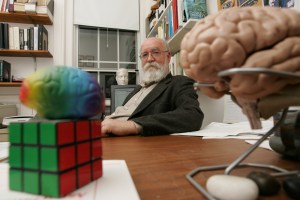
x=54 y=158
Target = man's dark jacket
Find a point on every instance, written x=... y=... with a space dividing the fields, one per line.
x=171 y=107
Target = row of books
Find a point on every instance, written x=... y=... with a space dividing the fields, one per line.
x=225 y=4
x=14 y=37
x=28 y=6
x=175 y=66
x=175 y=14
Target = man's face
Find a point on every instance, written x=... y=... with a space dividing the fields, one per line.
x=153 y=50
x=155 y=60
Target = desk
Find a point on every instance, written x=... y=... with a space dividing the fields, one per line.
x=158 y=164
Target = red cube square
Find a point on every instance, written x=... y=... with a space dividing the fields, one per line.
x=67 y=182
x=82 y=130
x=66 y=157
x=83 y=152
x=96 y=149
x=95 y=128
x=84 y=175
x=97 y=169
x=65 y=132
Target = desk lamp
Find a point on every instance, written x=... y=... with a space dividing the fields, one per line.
x=253 y=54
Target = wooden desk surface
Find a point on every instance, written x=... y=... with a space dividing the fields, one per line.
x=158 y=165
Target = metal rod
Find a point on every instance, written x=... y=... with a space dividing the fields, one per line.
x=255 y=145
x=256 y=70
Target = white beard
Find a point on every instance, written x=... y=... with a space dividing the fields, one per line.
x=154 y=72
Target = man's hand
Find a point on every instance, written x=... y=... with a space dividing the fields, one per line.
x=118 y=127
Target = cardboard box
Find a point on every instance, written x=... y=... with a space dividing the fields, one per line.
x=7 y=110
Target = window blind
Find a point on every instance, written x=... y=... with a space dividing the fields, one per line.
x=119 y=14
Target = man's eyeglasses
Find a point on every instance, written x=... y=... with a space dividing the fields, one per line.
x=154 y=53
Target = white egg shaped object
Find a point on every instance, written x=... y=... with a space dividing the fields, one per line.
x=227 y=187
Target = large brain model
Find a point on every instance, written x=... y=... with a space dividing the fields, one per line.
x=247 y=37
x=62 y=93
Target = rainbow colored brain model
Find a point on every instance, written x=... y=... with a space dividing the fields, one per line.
x=62 y=92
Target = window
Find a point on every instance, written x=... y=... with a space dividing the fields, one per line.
x=102 y=51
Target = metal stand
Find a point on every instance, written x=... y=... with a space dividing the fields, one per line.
x=237 y=162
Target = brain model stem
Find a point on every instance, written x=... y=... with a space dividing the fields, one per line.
x=251 y=111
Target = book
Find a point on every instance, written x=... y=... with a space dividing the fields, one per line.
x=1 y=2
x=165 y=28
x=31 y=38
x=7 y=5
x=30 y=8
x=180 y=13
x=160 y=32
x=174 y=15
x=5 y=71
x=16 y=37
x=11 y=38
x=45 y=40
x=26 y=38
x=21 y=38
x=3 y=8
x=21 y=1
x=42 y=2
x=1 y=36
x=19 y=7
x=35 y=38
x=11 y=6
x=170 y=23
x=195 y=9
x=42 y=37
x=5 y=35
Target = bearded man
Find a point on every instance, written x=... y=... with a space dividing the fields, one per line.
x=162 y=104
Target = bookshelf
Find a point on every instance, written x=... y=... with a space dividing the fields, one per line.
x=154 y=30
x=24 y=18
x=25 y=53
x=10 y=84
x=174 y=40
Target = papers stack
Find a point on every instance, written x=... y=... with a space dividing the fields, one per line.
x=239 y=130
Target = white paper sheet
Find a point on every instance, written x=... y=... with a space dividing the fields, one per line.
x=240 y=130
x=265 y=144
x=4 y=150
x=116 y=183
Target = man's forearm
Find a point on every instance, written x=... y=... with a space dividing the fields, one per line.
x=118 y=127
